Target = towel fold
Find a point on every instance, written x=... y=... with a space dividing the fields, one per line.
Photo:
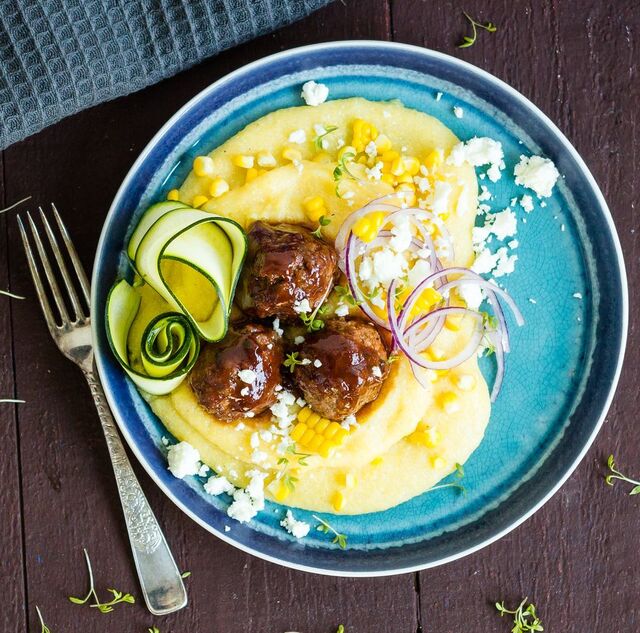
x=58 y=57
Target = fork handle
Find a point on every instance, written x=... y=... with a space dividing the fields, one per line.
x=160 y=579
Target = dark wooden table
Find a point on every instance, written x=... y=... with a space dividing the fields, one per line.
x=578 y=558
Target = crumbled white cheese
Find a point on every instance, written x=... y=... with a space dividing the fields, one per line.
x=298 y=137
x=472 y=295
x=217 y=484
x=531 y=300
x=537 y=173
x=254 y=440
x=577 y=295
x=342 y=310
x=485 y=195
x=319 y=129
x=204 y=469
x=165 y=440
x=376 y=371
x=301 y=402
x=266 y=159
x=504 y=224
x=348 y=422
x=298 y=340
x=479 y=151
x=245 y=391
x=284 y=411
x=227 y=528
x=302 y=306
x=438 y=199
x=183 y=459
x=422 y=183
x=458 y=111
x=305 y=361
x=420 y=269
x=505 y=264
x=314 y=93
x=247 y=375
x=296 y=528
x=438 y=96
x=276 y=327
x=375 y=172
x=466 y=382
x=258 y=456
x=317 y=363
x=401 y=236
x=371 y=149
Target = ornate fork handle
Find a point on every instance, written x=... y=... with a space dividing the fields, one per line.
x=160 y=578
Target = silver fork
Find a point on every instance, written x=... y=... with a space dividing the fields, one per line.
x=160 y=579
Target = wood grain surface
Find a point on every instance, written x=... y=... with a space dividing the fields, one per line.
x=578 y=558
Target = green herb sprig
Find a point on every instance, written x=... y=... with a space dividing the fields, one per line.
x=6 y=293
x=185 y=574
x=311 y=322
x=340 y=539
x=103 y=607
x=292 y=361
x=524 y=618
x=341 y=170
x=340 y=629
x=153 y=629
x=471 y=40
x=453 y=484
x=322 y=222
x=345 y=294
x=44 y=628
x=616 y=474
x=317 y=141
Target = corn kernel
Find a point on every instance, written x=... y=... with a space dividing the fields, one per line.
x=383 y=143
x=312 y=420
x=377 y=461
x=252 y=174
x=304 y=414
x=453 y=322
x=437 y=462
x=434 y=353
x=332 y=429
x=448 y=400
x=411 y=165
x=397 y=166
x=466 y=382
x=316 y=442
x=326 y=448
x=203 y=166
x=218 y=187
x=389 y=156
x=314 y=207
x=348 y=480
x=299 y=430
x=321 y=427
x=173 y=195
x=340 y=435
x=434 y=159
x=307 y=436
x=265 y=159
x=243 y=160
x=433 y=437
x=282 y=492
x=198 y=201
x=338 y=501
x=367 y=227
x=291 y=153
x=389 y=179
x=406 y=178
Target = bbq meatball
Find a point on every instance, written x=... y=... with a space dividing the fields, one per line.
x=238 y=376
x=344 y=365
x=285 y=265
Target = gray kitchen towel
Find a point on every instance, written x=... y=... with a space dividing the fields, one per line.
x=60 y=56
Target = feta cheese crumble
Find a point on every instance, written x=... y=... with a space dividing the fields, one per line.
x=298 y=137
x=296 y=528
x=479 y=151
x=376 y=371
x=249 y=501
x=247 y=375
x=577 y=295
x=537 y=173
x=458 y=111
x=302 y=306
x=526 y=202
x=314 y=93
x=342 y=310
x=183 y=459
x=217 y=484
x=276 y=327
x=317 y=363
x=375 y=172
x=298 y=340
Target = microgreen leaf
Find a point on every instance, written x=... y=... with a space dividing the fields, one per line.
x=323 y=221
x=317 y=141
x=153 y=629
x=615 y=474
x=104 y=607
x=340 y=539
x=292 y=360
x=44 y=628
x=467 y=40
x=524 y=619
x=312 y=323
x=340 y=629
x=185 y=574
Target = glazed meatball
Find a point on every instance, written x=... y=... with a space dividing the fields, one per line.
x=348 y=363
x=285 y=265
x=237 y=377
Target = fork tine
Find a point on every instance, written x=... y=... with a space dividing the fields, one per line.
x=53 y=284
x=75 y=299
x=44 y=302
x=73 y=254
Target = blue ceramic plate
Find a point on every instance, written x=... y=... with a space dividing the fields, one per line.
x=565 y=362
